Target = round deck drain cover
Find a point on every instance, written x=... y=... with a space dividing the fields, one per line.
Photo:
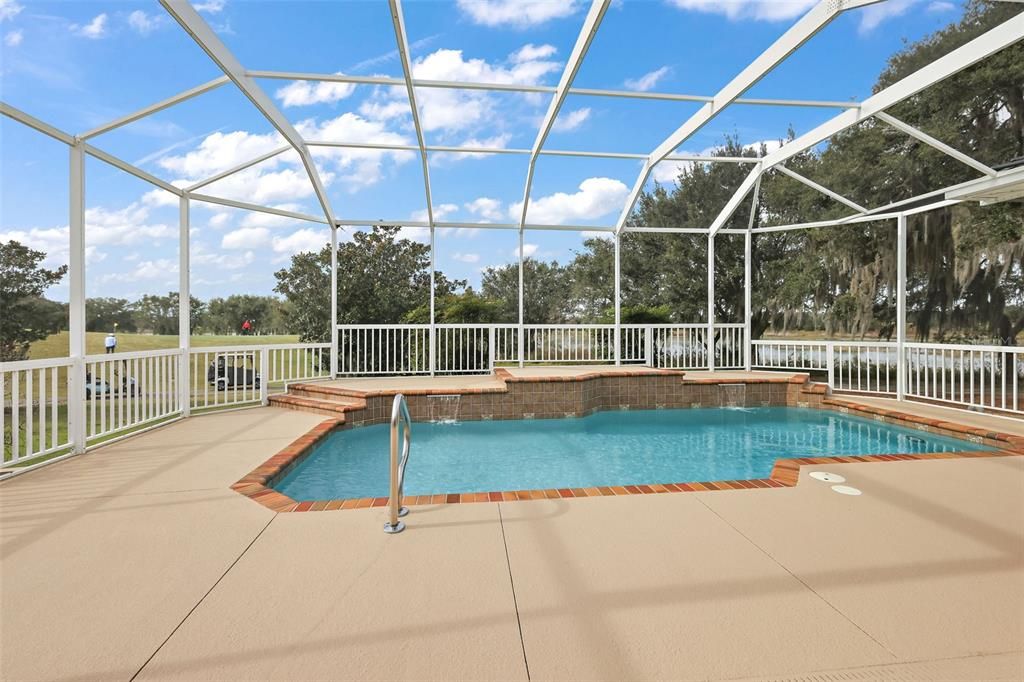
x=827 y=477
x=846 y=490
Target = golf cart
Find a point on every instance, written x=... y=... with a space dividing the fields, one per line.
x=116 y=385
x=224 y=376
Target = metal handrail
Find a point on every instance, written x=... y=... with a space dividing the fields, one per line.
x=399 y=416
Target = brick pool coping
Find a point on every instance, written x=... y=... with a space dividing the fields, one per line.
x=256 y=485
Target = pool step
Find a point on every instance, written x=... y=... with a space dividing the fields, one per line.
x=333 y=407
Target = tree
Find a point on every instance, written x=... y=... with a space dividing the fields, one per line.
x=104 y=314
x=22 y=284
x=226 y=315
x=159 y=314
x=545 y=289
x=381 y=278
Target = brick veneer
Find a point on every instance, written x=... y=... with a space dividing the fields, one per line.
x=579 y=395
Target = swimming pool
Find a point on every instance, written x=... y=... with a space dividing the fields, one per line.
x=604 y=449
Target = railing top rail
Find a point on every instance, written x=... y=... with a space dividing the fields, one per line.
x=824 y=342
x=133 y=355
x=967 y=346
x=384 y=326
x=196 y=350
x=41 y=363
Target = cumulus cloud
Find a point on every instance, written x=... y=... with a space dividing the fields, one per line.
x=441 y=212
x=9 y=9
x=210 y=6
x=304 y=93
x=246 y=238
x=762 y=10
x=571 y=120
x=596 y=197
x=306 y=239
x=528 y=250
x=487 y=208
x=143 y=23
x=466 y=257
x=496 y=142
x=146 y=270
x=13 y=38
x=874 y=15
x=517 y=13
x=648 y=80
x=451 y=110
x=95 y=29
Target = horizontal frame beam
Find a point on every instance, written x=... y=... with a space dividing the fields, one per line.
x=549 y=89
x=34 y=123
x=154 y=108
x=820 y=188
x=233 y=203
x=935 y=143
x=240 y=167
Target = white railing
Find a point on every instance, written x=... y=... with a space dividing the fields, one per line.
x=970 y=376
x=33 y=408
x=225 y=376
x=478 y=348
x=125 y=392
x=129 y=390
x=850 y=366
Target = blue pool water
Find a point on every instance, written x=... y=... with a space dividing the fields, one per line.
x=607 y=448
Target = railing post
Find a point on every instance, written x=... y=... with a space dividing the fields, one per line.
x=264 y=376
x=618 y=299
x=649 y=345
x=901 y=306
x=830 y=364
x=432 y=348
x=490 y=348
x=520 y=350
x=334 y=301
x=76 y=287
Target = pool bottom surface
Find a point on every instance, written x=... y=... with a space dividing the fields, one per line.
x=604 y=449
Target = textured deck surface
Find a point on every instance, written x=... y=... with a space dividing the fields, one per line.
x=138 y=559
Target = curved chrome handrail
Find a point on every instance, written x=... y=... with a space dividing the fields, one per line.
x=399 y=417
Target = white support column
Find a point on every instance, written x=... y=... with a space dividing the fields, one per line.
x=185 y=309
x=76 y=286
x=618 y=299
x=521 y=335
x=901 y=306
x=433 y=318
x=334 y=300
x=711 y=303
x=748 y=250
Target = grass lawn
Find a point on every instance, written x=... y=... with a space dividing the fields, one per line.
x=56 y=345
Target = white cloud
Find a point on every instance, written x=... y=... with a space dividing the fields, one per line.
x=356 y=168
x=596 y=197
x=9 y=9
x=518 y=13
x=528 y=250
x=221 y=261
x=13 y=38
x=485 y=207
x=497 y=142
x=219 y=220
x=648 y=80
x=466 y=257
x=304 y=93
x=146 y=270
x=306 y=239
x=451 y=110
x=97 y=28
x=530 y=52
x=941 y=6
x=441 y=212
x=210 y=6
x=246 y=238
x=143 y=23
x=667 y=171
x=254 y=219
x=220 y=151
x=571 y=120
x=763 y=10
x=873 y=15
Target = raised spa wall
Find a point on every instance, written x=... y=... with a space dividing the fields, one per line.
x=551 y=397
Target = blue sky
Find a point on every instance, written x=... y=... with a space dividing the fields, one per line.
x=78 y=65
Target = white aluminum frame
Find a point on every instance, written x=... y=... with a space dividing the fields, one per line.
x=992 y=186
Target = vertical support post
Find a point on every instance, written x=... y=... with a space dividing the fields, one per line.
x=334 y=301
x=711 y=303
x=491 y=350
x=618 y=298
x=748 y=250
x=521 y=335
x=184 y=308
x=830 y=364
x=265 y=376
x=433 y=328
x=76 y=309
x=649 y=345
x=901 y=305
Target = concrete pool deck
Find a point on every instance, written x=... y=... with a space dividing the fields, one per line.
x=137 y=560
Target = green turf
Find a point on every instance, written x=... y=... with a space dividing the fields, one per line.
x=56 y=345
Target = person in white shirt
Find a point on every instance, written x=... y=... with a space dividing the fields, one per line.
x=110 y=342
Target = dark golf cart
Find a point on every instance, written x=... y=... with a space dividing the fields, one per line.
x=224 y=376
